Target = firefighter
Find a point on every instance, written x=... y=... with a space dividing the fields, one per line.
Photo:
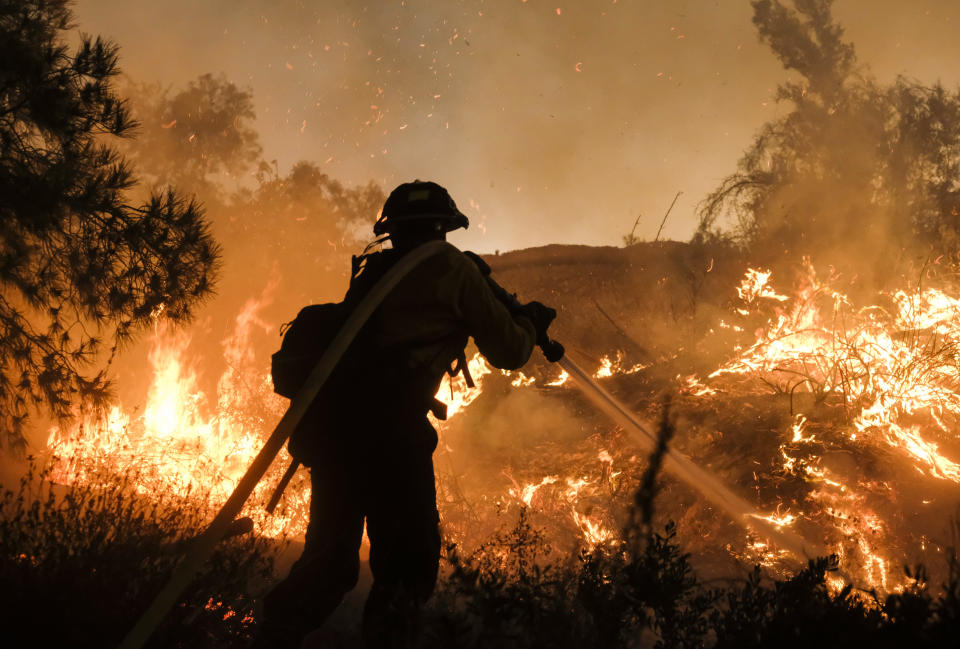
x=370 y=458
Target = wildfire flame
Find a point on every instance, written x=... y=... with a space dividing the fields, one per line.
x=179 y=443
x=891 y=370
x=887 y=367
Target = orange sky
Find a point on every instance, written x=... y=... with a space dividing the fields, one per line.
x=548 y=121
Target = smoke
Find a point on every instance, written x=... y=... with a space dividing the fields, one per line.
x=541 y=118
x=859 y=174
x=597 y=112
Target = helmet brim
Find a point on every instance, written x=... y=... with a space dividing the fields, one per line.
x=449 y=221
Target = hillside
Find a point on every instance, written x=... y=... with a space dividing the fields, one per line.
x=647 y=300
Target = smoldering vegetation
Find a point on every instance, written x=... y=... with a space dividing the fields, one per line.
x=858 y=174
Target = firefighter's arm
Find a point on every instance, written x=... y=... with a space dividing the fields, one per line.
x=504 y=338
x=540 y=314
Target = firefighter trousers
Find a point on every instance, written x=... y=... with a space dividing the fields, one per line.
x=393 y=491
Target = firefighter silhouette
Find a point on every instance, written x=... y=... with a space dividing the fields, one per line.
x=370 y=457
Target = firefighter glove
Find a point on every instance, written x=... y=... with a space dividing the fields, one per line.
x=541 y=315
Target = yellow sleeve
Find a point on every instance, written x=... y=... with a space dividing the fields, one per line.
x=506 y=341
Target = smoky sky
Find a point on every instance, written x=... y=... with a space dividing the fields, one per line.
x=550 y=122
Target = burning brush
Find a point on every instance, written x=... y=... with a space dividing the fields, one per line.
x=875 y=398
x=857 y=380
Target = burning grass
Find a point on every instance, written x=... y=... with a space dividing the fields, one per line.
x=834 y=405
x=848 y=408
x=183 y=441
x=80 y=563
x=639 y=589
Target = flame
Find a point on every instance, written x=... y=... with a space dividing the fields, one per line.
x=455 y=392
x=779 y=520
x=521 y=379
x=692 y=385
x=888 y=367
x=610 y=367
x=526 y=493
x=799 y=424
x=605 y=370
x=892 y=368
x=756 y=286
x=591 y=526
x=177 y=444
x=594 y=533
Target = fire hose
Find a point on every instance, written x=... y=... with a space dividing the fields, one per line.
x=685 y=469
x=680 y=465
x=203 y=546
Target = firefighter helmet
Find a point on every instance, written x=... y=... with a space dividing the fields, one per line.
x=419 y=203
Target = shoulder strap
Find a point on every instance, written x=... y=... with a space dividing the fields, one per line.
x=460 y=365
x=366 y=272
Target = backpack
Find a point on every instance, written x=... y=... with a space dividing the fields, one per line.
x=365 y=371
x=305 y=339
x=308 y=336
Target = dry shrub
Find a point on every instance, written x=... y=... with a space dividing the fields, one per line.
x=79 y=564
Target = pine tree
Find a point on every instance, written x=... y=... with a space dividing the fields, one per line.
x=81 y=269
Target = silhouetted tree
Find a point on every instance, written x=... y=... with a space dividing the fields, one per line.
x=303 y=226
x=307 y=208
x=854 y=160
x=80 y=269
x=189 y=138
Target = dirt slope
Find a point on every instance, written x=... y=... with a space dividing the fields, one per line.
x=649 y=300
